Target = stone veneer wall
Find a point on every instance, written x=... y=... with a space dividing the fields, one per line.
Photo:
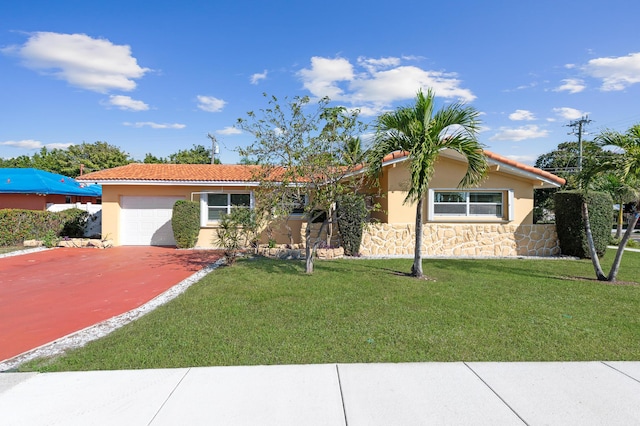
x=383 y=239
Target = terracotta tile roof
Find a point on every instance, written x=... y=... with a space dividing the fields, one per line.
x=247 y=173
x=496 y=157
x=176 y=173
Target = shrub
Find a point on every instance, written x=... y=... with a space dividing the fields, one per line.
x=74 y=222
x=570 y=226
x=185 y=222
x=236 y=231
x=351 y=210
x=17 y=225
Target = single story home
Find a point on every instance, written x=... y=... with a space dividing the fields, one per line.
x=137 y=203
x=34 y=189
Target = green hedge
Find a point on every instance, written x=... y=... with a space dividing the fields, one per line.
x=570 y=226
x=185 y=222
x=17 y=225
x=351 y=210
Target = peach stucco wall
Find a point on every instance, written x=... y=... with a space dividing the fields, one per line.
x=448 y=173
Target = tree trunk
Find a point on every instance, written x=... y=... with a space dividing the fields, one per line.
x=416 y=269
x=308 y=249
x=627 y=235
x=592 y=248
x=619 y=226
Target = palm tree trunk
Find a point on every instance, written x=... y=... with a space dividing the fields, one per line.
x=592 y=248
x=416 y=269
x=308 y=248
x=619 y=226
x=627 y=235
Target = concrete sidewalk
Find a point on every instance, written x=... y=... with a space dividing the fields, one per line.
x=572 y=393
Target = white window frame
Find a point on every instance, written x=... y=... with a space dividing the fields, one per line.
x=506 y=215
x=204 y=205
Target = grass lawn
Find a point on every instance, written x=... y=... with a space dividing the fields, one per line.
x=263 y=311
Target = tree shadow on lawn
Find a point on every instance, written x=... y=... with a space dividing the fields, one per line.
x=478 y=267
x=276 y=266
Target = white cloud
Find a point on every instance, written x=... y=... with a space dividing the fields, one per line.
x=571 y=85
x=372 y=65
x=519 y=134
x=522 y=115
x=229 y=130
x=617 y=73
x=377 y=83
x=126 y=103
x=323 y=76
x=526 y=159
x=25 y=143
x=58 y=145
x=255 y=78
x=155 y=125
x=210 y=104
x=33 y=144
x=82 y=61
x=569 y=113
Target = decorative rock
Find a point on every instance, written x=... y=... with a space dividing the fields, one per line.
x=462 y=240
x=32 y=243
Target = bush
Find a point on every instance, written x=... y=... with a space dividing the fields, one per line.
x=570 y=226
x=235 y=232
x=74 y=222
x=185 y=222
x=351 y=210
x=17 y=225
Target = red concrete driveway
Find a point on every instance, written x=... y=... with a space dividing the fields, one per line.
x=49 y=294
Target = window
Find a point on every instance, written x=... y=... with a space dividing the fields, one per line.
x=468 y=204
x=295 y=203
x=214 y=205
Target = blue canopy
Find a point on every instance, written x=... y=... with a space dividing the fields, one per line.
x=34 y=181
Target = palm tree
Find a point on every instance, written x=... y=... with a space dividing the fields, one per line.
x=628 y=165
x=423 y=133
x=622 y=190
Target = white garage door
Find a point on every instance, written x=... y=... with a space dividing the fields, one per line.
x=146 y=221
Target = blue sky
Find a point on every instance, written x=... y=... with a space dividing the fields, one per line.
x=158 y=76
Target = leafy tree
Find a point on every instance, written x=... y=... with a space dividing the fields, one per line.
x=563 y=162
x=94 y=157
x=68 y=162
x=152 y=159
x=423 y=133
x=623 y=190
x=21 y=161
x=246 y=161
x=199 y=154
x=296 y=146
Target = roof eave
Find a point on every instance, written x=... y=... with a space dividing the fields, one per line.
x=108 y=182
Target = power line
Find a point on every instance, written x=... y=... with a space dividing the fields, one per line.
x=580 y=129
x=214 y=147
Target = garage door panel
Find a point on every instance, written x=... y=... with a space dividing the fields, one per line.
x=147 y=220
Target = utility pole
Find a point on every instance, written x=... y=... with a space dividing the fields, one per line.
x=214 y=148
x=580 y=125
